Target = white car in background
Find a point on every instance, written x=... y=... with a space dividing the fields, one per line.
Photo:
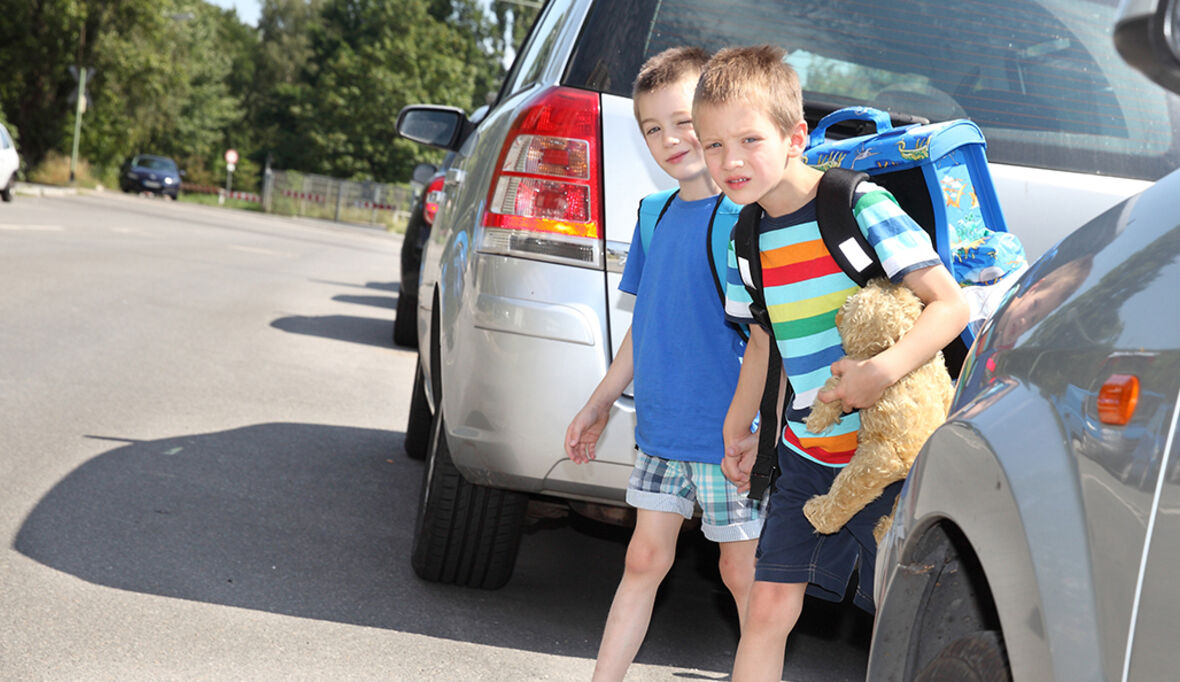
x=9 y=164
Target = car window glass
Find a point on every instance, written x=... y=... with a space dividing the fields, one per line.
x=152 y=163
x=1040 y=77
x=5 y=141
x=535 y=54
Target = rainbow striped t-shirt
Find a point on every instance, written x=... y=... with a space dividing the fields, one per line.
x=804 y=287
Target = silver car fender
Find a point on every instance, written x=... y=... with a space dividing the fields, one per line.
x=1036 y=587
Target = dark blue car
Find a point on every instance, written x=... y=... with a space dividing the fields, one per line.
x=148 y=173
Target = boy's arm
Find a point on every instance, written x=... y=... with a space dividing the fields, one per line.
x=944 y=317
x=581 y=436
x=741 y=446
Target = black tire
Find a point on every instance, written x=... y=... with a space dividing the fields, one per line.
x=6 y=193
x=978 y=657
x=405 y=325
x=466 y=534
x=418 y=425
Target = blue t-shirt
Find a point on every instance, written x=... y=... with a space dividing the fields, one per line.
x=686 y=357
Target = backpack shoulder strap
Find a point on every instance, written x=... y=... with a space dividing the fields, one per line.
x=834 y=202
x=747 y=250
x=651 y=209
x=749 y=261
x=721 y=224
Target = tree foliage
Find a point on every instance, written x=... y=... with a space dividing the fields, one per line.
x=315 y=87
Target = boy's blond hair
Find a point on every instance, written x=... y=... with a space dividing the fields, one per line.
x=756 y=76
x=668 y=68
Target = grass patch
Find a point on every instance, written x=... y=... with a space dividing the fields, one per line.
x=55 y=170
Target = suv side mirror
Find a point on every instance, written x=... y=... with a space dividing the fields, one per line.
x=443 y=127
x=422 y=173
x=1147 y=36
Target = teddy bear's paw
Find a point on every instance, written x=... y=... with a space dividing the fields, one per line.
x=816 y=510
x=882 y=527
x=823 y=417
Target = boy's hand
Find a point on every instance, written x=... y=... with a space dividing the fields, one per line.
x=581 y=436
x=861 y=383
x=739 y=459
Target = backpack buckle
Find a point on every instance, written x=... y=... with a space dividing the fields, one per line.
x=760 y=314
x=761 y=481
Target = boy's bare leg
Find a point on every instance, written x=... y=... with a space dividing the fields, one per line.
x=737 y=572
x=649 y=556
x=773 y=610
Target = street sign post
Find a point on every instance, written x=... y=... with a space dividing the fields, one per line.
x=79 y=109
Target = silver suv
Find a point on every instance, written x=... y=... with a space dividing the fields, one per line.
x=519 y=312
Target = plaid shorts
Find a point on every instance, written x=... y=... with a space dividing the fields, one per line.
x=659 y=484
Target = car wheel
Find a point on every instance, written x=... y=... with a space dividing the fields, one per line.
x=418 y=425
x=405 y=324
x=977 y=657
x=6 y=193
x=466 y=534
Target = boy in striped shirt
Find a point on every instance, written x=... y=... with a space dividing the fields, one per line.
x=748 y=115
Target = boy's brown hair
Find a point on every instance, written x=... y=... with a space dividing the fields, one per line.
x=757 y=76
x=667 y=68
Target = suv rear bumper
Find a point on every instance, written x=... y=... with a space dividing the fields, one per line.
x=517 y=367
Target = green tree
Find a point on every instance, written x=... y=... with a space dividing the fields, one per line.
x=318 y=84
x=167 y=86
x=371 y=58
x=39 y=40
x=276 y=97
x=159 y=76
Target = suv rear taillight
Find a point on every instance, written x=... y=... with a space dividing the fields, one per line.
x=545 y=199
x=433 y=197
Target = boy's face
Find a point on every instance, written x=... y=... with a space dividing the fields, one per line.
x=665 y=120
x=746 y=153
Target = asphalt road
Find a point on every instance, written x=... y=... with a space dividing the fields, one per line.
x=201 y=475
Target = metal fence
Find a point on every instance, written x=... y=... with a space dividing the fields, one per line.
x=319 y=196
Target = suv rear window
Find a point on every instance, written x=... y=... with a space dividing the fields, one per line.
x=1040 y=77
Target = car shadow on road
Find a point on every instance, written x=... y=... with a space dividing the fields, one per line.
x=367 y=330
x=317 y=521
x=391 y=287
x=388 y=302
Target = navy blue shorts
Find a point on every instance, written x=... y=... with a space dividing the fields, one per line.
x=791 y=551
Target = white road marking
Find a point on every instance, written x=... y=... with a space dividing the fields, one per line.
x=31 y=228
x=263 y=252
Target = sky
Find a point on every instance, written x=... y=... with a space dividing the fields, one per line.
x=247 y=9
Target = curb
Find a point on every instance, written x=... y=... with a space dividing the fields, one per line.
x=28 y=189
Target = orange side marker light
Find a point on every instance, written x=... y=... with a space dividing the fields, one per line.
x=1117 y=399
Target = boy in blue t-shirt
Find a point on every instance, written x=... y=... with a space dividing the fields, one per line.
x=749 y=117
x=684 y=360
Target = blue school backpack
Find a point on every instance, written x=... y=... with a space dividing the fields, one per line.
x=725 y=214
x=939 y=175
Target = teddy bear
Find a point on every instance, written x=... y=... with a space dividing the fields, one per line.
x=894 y=428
